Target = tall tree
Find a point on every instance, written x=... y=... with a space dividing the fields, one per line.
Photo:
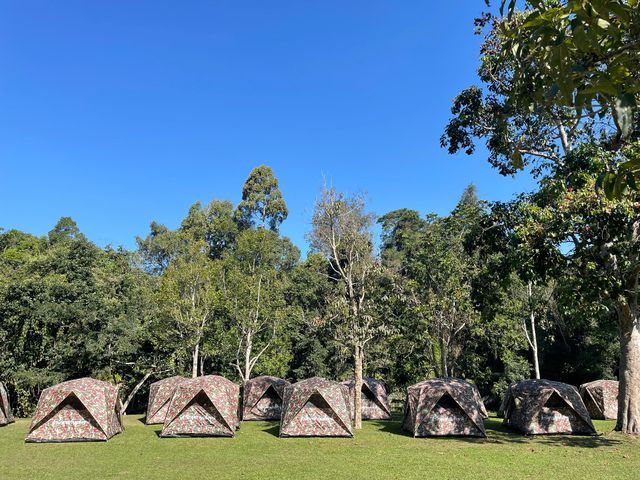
x=532 y=117
x=342 y=234
x=189 y=293
x=254 y=283
x=262 y=201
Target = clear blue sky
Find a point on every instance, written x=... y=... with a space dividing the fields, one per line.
x=117 y=113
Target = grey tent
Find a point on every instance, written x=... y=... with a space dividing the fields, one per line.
x=601 y=399
x=6 y=417
x=262 y=398
x=375 y=402
x=443 y=407
x=542 y=406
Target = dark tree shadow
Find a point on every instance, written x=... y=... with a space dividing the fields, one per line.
x=499 y=433
x=273 y=428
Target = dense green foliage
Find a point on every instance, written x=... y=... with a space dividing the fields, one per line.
x=218 y=295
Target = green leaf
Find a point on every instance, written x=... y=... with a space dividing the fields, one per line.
x=624 y=106
x=516 y=159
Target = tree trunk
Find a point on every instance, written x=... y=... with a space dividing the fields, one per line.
x=357 y=394
x=134 y=391
x=444 y=370
x=194 y=364
x=629 y=376
x=534 y=337
x=534 y=346
x=247 y=358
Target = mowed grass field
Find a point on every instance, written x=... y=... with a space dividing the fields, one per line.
x=381 y=450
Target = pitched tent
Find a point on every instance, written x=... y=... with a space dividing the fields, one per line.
x=160 y=394
x=601 y=399
x=262 y=399
x=483 y=410
x=316 y=407
x=6 y=417
x=375 y=402
x=542 y=406
x=81 y=410
x=504 y=402
x=443 y=407
x=203 y=407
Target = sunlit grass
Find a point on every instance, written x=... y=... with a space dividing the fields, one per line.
x=381 y=450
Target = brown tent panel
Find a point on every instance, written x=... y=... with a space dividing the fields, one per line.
x=544 y=407
x=75 y=411
x=316 y=407
x=203 y=407
x=601 y=399
x=6 y=416
x=262 y=398
x=160 y=394
x=375 y=402
x=443 y=407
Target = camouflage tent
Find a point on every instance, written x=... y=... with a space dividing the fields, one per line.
x=442 y=407
x=316 y=408
x=6 y=416
x=79 y=410
x=203 y=407
x=542 y=406
x=160 y=394
x=601 y=399
x=262 y=399
x=375 y=403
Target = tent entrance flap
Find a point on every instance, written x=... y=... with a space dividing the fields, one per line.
x=371 y=405
x=558 y=416
x=269 y=404
x=199 y=417
x=446 y=417
x=320 y=417
x=69 y=421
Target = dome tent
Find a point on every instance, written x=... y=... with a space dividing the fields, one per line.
x=542 y=406
x=443 y=407
x=160 y=394
x=601 y=399
x=81 y=410
x=262 y=398
x=6 y=417
x=316 y=407
x=375 y=402
x=203 y=407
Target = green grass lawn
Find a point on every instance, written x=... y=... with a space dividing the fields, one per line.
x=379 y=451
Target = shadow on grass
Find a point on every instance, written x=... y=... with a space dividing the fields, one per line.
x=498 y=433
x=272 y=428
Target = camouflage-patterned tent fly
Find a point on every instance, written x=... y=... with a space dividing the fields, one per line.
x=483 y=409
x=443 y=407
x=601 y=399
x=542 y=406
x=375 y=403
x=316 y=408
x=81 y=410
x=203 y=407
x=262 y=398
x=160 y=394
x=6 y=416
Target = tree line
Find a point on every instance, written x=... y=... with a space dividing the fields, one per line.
x=544 y=285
